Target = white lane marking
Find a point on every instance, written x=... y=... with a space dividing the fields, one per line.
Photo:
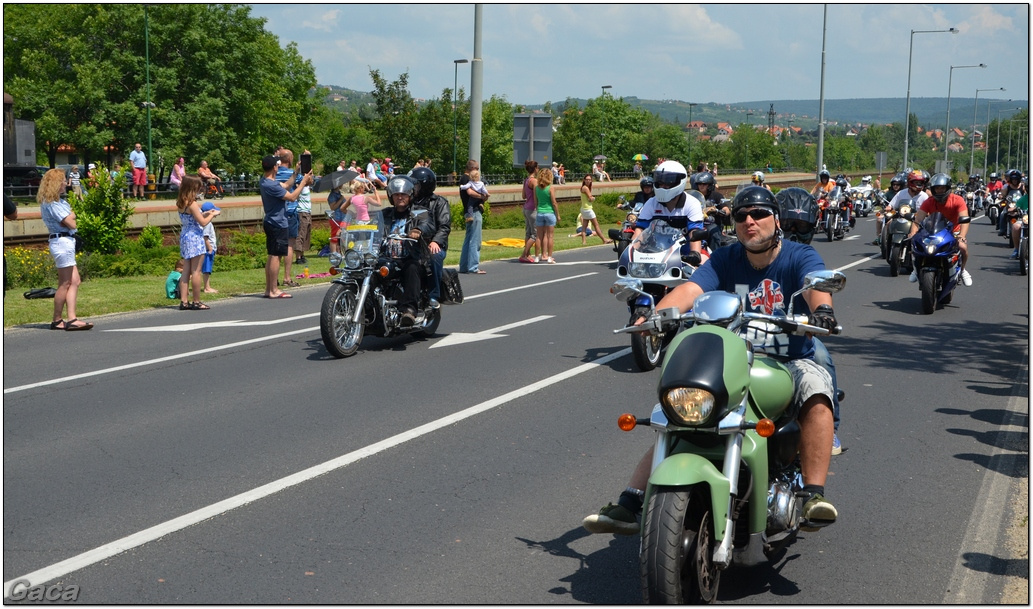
x=532 y=285
x=229 y=323
x=159 y=360
x=237 y=344
x=861 y=261
x=135 y=540
x=851 y=237
x=459 y=338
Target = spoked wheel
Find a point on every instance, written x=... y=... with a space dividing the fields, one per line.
x=646 y=349
x=430 y=326
x=340 y=336
x=927 y=281
x=675 y=562
x=895 y=260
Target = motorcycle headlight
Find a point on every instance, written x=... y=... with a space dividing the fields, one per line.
x=335 y=259
x=688 y=406
x=1025 y=218
x=632 y=218
x=642 y=269
x=905 y=209
x=352 y=259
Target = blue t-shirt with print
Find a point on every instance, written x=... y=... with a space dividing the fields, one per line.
x=286 y=174
x=767 y=290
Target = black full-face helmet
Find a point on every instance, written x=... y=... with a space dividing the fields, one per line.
x=646 y=182
x=940 y=186
x=798 y=214
x=426 y=180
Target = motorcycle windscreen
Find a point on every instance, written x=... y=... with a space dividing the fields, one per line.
x=935 y=222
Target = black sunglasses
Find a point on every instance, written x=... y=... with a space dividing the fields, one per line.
x=757 y=213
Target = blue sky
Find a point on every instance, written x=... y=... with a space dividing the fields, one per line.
x=724 y=53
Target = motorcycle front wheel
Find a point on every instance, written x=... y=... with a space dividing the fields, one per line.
x=991 y=215
x=829 y=230
x=1023 y=256
x=645 y=349
x=340 y=336
x=675 y=563
x=894 y=260
x=927 y=282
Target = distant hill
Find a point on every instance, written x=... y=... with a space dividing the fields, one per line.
x=931 y=111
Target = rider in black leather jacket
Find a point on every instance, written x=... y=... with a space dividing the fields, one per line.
x=440 y=213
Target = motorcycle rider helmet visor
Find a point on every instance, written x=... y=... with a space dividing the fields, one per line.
x=663 y=179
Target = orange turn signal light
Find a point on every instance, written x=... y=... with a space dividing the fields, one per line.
x=626 y=422
x=384 y=271
x=333 y=270
x=765 y=428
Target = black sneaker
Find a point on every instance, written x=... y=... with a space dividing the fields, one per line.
x=407 y=320
x=302 y=260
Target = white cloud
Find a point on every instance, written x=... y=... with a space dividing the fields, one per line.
x=327 y=22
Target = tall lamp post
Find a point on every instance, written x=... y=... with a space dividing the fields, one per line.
x=907 y=107
x=455 y=112
x=602 y=134
x=691 y=106
x=997 y=155
x=148 y=104
x=947 y=129
x=972 y=153
x=748 y=122
x=989 y=102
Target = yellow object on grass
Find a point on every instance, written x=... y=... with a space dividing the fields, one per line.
x=508 y=242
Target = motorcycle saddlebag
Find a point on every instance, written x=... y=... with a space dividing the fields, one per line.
x=451 y=291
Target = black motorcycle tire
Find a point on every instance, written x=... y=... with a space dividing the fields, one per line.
x=909 y=263
x=646 y=350
x=620 y=246
x=341 y=337
x=430 y=327
x=991 y=215
x=894 y=260
x=675 y=562
x=829 y=230
x=927 y=282
x=1024 y=257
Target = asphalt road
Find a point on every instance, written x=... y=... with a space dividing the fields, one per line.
x=225 y=457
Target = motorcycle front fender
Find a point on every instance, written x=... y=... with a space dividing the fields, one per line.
x=685 y=470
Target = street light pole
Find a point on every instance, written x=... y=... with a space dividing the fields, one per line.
x=986 y=156
x=907 y=107
x=602 y=109
x=147 y=63
x=455 y=112
x=947 y=129
x=972 y=155
x=691 y=106
x=997 y=155
x=748 y=122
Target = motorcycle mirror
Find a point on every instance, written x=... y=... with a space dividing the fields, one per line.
x=826 y=281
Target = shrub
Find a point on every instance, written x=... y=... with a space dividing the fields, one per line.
x=151 y=237
x=102 y=216
x=30 y=268
x=320 y=238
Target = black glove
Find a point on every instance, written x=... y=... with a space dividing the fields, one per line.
x=823 y=317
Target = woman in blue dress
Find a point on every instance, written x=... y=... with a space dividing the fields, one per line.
x=191 y=240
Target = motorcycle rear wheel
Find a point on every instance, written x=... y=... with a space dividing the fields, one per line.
x=430 y=327
x=927 y=281
x=340 y=336
x=894 y=260
x=675 y=562
x=645 y=349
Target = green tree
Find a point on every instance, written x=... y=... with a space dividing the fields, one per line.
x=222 y=87
x=395 y=125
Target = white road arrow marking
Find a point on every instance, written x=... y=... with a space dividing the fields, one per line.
x=229 y=323
x=459 y=338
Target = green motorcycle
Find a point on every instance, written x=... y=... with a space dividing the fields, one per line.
x=725 y=482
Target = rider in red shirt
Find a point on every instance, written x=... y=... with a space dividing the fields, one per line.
x=953 y=207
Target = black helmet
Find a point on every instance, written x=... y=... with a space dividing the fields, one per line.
x=425 y=179
x=798 y=214
x=755 y=196
x=646 y=181
x=899 y=179
x=938 y=181
x=842 y=182
x=1013 y=174
x=824 y=173
x=974 y=176
x=703 y=178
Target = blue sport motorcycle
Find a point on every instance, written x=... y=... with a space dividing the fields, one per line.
x=937 y=259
